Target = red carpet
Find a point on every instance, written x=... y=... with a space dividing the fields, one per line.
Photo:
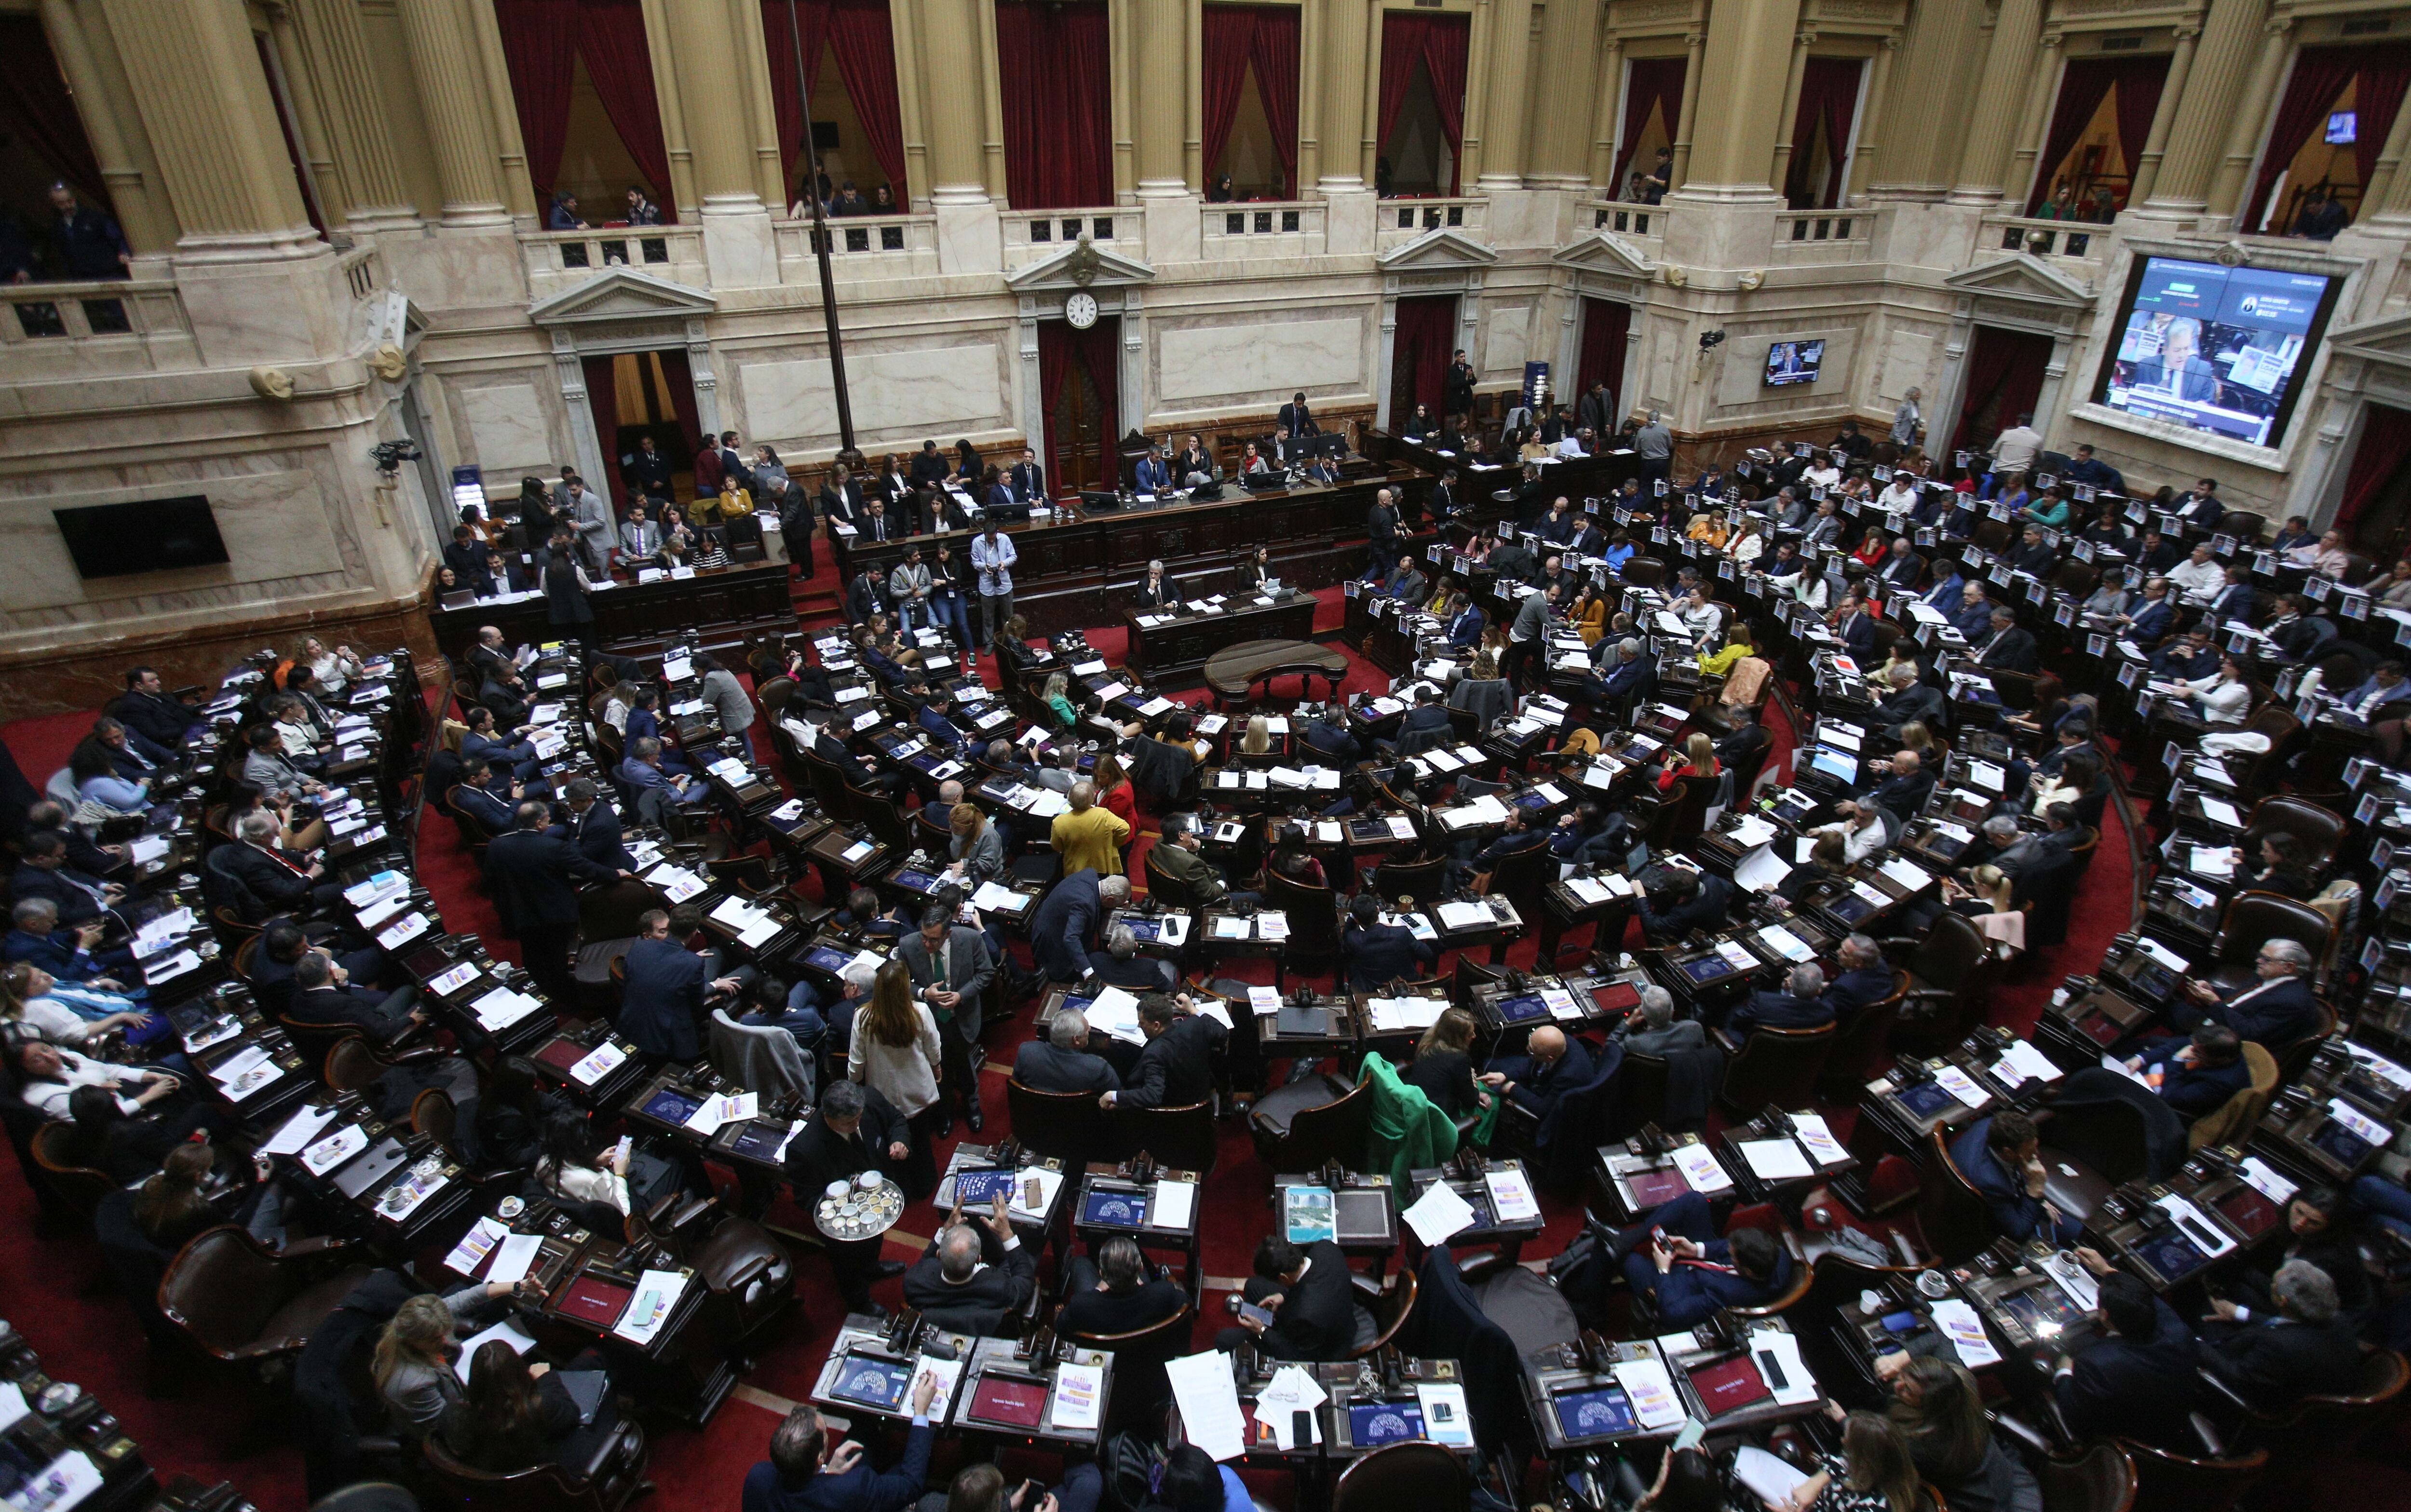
x=58 y=1298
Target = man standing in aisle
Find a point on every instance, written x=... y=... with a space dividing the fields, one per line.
x=992 y=559
x=1655 y=445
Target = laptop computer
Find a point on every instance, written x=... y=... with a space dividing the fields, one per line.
x=370 y=1168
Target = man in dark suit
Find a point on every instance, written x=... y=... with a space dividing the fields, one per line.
x=2034 y=555
x=1902 y=567
x=1430 y=717
x=1864 y=977
x=865 y=596
x=2276 y=1012
x=2010 y=649
x=1062 y=1061
x=1552 y=1066
x=974 y=1268
x=1911 y=701
x=1297 y=419
x=2191 y=656
x=1311 y=1300
x=1972 y=616
x=1441 y=503
x=146 y=705
x=281 y=879
x=1114 y=1294
x=2136 y=1379
x=1120 y=965
x=484 y=796
x=2307 y=1349
x=855 y=1129
x=877 y=525
x=664 y=1011
x=506 y=694
x=951 y=969
x=1177 y=1067
x=1691 y=1274
x=1027 y=480
x=1746 y=742
x=42 y=872
x=323 y=995
x=2238 y=603
x=1375 y=953
x=928 y=465
x=594 y=826
x=2201 y=1076
x=1801 y=1005
x=533 y=877
x=1064 y=926
x=1903 y=788
x=1682 y=902
x=1855 y=627
x=2001 y=1156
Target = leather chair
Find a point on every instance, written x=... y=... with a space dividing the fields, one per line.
x=606 y=926
x=1310 y=1122
x=1681 y=814
x=1520 y=878
x=828 y=786
x=879 y=811
x=1418 y=880
x=432 y=1113
x=1388 y=1305
x=1467 y=975
x=749 y=1279
x=2097 y=1478
x=1862 y=1044
x=1141 y=1389
x=1068 y=1125
x=1776 y=1067
x=1182 y=1139
x=2104 y=1141
x=1950 y=972
x=241 y=1303
x=1642 y=1098
x=1161 y=887
x=2320 y=830
x=79 y=1186
x=2253 y=919
x=609 y=1481
x=2324 y=1428
x=1425 y=1477
x=2232 y=1122
x=1313 y=949
x=2163 y=1479
x=1951 y=1212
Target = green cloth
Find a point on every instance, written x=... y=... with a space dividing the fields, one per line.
x=1408 y=1131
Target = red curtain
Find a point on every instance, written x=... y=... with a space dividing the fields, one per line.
x=2083 y=85
x=1829 y=93
x=2320 y=74
x=540 y=46
x=680 y=379
x=1097 y=352
x=2384 y=72
x=1266 y=36
x=37 y=108
x=1655 y=88
x=1605 y=325
x=611 y=40
x=602 y=400
x=1057 y=103
x=2004 y=379
x=2384 y=444
x=1440 y=43
x=1426 y=328
x=858 y=32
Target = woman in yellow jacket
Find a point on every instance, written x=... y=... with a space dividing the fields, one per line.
x=1708 y=531
x=1588 y=615
x=1089 y=836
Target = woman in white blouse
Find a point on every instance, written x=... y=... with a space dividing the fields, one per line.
x=2224 y=696
x=573 y=1166
x=1808 y=587
x=1747 y=544
x=332 y=669
x=895 y=1050
x=1701 y=617
x=69 y=1016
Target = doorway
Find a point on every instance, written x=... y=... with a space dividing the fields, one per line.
x=1605 y=327
x=2005 y=373
x=636 y=395
x=1079 y=379
x=1419 y=352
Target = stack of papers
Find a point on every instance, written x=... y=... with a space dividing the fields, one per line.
x=1208 y=1400
x=1438 y=1214
x=657 y=1293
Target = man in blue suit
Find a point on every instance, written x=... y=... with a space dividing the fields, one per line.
x=1972 y=616
x=2150 y=621
x=664 y=1010
x=1801 y=1005
x=1947 y=594
x=1855 y=627
x=2277 y=1012
x=484 y=741
x=2136 y=1379
x=1463 y=622
x=1064 y=926
x=594 y=826
x=2001 y=1156
x=811 y=1470
x=1864 y=977
x=1691 y=1274
x=1154 y=472
x=479 y=798
x=1377 y=954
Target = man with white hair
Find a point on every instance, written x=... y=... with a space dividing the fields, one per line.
x=1062 y=1061
x=2307 y=1349
x=279 y=878
x=2278 y=1011
x=1801 y=1005
x=1864 y=977
x=1652 y=1029
x=1120 y=965
x=1910 y=701
x=973 y=1267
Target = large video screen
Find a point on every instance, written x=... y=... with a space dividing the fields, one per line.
x=1793 y=362
x=2215 y=349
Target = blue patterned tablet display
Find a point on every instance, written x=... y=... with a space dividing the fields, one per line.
x=1115 y=1209
x=1372 y=1424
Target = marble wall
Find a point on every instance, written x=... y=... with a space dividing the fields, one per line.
x=507 y=427
x=1244 y=362
x=899 y=396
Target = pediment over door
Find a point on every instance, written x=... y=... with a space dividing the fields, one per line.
x=2387 y=342
x=2021 y=276
x=1439 y=250
x=1081 y=265
x=621 y=294
x=1604 y=253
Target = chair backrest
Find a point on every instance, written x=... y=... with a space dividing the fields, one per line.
x=1182 y=1139
x=1335 y=1132
x=2253 y=919
x=80 y=1186
x=543 y=1487
x=1425 y=1477
x=2165 y=1480
x=1642 y=1097
x=1951 y=1212
x=1863 y=1043
x=245 y=955
x=432 y=1113
x=352 y=1066
x=828 y=786
x=2233 y=1121
x=1417 y=879
x=879 y=812
x=1139 y=1359
x=2320 y=830
x=1068 y=1125
x=610 y=912
x=2100 y=1480
x=1519 y=877
x=762 y=1058
x=1313 y=917
x=1465 y=975
x=1163 y=887
x=1393 y=1307
x=1778 y=1067
x=221 y=1289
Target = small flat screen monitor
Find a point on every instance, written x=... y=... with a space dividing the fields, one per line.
x=2215 y=350
x=1793 y=362
x=2348 y=1148
x=2172 y=1253
x=150 y=535
x=2252 y=1213
x=1373 y=1424
x=2044 y=1311
x=1009 y=1402
x=671 y=1106
x=1708 y=968
x=978 y=1189
x=1363 y=1215
x=2344 y=129
x=872 y=1383
x=1594 y=1413
x=1519 y=1009
x=1926 y=1098
x=1115 y=1209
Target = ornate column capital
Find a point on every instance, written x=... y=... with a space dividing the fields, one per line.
x=2053 y=39
x=1805 y=37
x=2186 y=33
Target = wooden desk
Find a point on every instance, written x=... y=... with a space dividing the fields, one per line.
x=1234 y=670
x=1185 y=642
x=629 y=611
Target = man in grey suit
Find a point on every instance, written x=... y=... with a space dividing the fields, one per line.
x=1651 y=1030
x=591 y=514
x=1062 y=1061
x=951 y=969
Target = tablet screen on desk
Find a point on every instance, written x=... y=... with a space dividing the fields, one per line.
x=2252 y=1213
x=2171 y=1253
x=1926 y=1098
x=1729 y=1384
x=1707 y=968
x=759 y=1141
x=1518 y=1010
x=1850 y=906
x=671 y=1106
x=919 y=881
x=2341 y=1143
x=978 y=1189
x=872 y=1383
x=828 y=959
x=2042 y=1310
x=597 y=1299
x=1364 y=1215
x=1372 y=1424
x=1115 y=1209
x=1002 y=1400
x=1594 y=1413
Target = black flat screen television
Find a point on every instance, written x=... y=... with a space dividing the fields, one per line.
x=2216 y=350
x=1793 y=362
x=150 y=535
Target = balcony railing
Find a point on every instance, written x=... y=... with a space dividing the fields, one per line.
x=103 y=326
x=1825 y=236
x=1034 y=236
x=861 y=246
x=1268 y=229
x=1397 y=222
x=2085 y=242
x=1634 y=222
x=557 y=260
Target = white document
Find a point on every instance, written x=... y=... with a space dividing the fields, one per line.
x=723 y=1110
x=514 y=1257
x=1812 y=1132
x=605 y=1058
x=508 y=1330
x=1652 y=1392
x=1446 y=1418
x=1798 y=1386
x=1769 y=1479
x=1079 y=1396
x=1762 y=870
x=298 y=1131
x=1463 y=915
x=1776 y=1159
x=1264 y=999
x=335 y=1149
x=475 y=1246
x=1960 y=1086
x=1175 y=1202
x=994 y=897
x=1049 y=1182
x=1511 y=1196
x=1560 y=1003
x=1291 y=1391
x=2219 y=811
x=231 y=1070
x=657 y=1293
x=2022 y=1063
x=1208 y=1400
x=1966 y=1330
x=1438 y=1214
x=2362 y=1127
x=2196 y=1225
x=1700 y=1166
x=2266 y=1182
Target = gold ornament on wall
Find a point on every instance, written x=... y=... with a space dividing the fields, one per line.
x=272 y=382
x=389 y=363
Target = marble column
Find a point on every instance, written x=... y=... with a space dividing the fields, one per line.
x=288 y=72
x=1941 y=52
x=1688 y=118
x=206 y=108
x=2233 y=32
x=1507 y=104
x=1557 y=152
x=2146 y=168
x=1873 y=121
x=670 y=104
x=1345 y=91
x=1163 y=65
x=1607 y=117
x=2007 y=66
x=339 y=60
x=751 y=61
x=706 y=51
x=2388 y=197
x=142 y=209
x=1737 y=121
x=1780 y=168
x=440 y=37
x=1310 y=53
x=502 y=117
x=2252 y=117
x=2019 y=182
x=950 y=110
